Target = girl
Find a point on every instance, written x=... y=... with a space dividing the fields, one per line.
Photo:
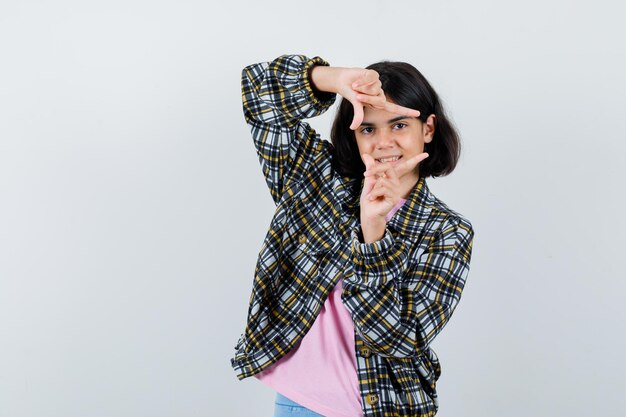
x=362 y=265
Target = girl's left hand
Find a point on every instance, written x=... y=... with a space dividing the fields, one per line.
x=382 y=187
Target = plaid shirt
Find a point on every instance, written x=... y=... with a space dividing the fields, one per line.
x=400 y=290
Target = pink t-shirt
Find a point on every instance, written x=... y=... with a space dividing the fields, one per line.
x=320 y=373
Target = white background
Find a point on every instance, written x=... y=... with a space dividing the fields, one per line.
x=132 y=205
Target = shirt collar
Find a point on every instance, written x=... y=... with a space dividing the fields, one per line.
x=409 y=220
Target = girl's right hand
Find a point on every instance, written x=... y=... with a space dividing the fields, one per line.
x=361 y=87
x=355 y=81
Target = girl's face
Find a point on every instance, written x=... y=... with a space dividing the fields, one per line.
x=390 y=137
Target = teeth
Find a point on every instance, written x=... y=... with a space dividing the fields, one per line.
x=391 y=159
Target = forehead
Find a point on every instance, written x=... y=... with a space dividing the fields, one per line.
x=373 y=113
x=380 y=116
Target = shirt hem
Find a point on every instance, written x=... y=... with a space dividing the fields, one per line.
x=307 y=402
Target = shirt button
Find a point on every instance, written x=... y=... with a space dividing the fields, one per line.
x=365 y=352
x=302 y=239
x=372 y=399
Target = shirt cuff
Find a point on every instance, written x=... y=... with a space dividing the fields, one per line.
x=321 y=99
x=370 y=251
x=374 y=264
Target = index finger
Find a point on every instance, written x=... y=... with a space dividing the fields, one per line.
x=404 y=111
x=410 y=164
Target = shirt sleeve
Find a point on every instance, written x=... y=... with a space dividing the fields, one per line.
x=277 y=96
x=400 y=298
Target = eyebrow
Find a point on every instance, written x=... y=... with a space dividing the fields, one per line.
x=395 y=119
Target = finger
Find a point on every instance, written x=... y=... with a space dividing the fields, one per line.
x=362 y=78
x=367 y=76
x=380 y=185
x=374 y=88
x=387 y=184
x=369 y=182
x=377 y=101
x=368 y=160
x=379 y=192
x=359 y=85
x=392 y=175
x=368 y=186
x=377 y=169
x=358 y=114
x=410 y=163
x=405 y=111
x=394 y=172
x=380 y=102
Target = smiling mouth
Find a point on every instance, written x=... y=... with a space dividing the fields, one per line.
x=388 y=159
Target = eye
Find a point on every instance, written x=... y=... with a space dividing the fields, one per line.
x=399 y=125
x=367 y=130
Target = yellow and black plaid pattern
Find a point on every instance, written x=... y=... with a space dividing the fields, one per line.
x=401 y=290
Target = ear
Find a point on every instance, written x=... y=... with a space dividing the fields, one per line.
x=428 y=128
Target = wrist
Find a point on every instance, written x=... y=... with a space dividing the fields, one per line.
x=324 y=78
x=373 y=230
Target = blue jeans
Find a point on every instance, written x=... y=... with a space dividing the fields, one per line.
x=284 y=407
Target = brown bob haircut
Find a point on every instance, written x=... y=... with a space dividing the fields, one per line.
x=404 y=85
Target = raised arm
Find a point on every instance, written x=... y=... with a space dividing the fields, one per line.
x=277 y=96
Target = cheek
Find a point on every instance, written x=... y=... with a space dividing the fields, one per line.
x=362 y=145
x=414 y=142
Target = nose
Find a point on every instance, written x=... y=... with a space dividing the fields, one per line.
x=385 y=139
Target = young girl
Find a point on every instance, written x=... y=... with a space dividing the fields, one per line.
x=362 y=265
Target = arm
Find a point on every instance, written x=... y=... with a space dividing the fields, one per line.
x=324 y=79
x=399 y=304
x=277 y=96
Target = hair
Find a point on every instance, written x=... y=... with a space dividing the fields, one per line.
x=404 y=85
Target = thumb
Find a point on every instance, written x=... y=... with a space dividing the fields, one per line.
x=358 y=114
x=368 y=160
x=370 y=181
